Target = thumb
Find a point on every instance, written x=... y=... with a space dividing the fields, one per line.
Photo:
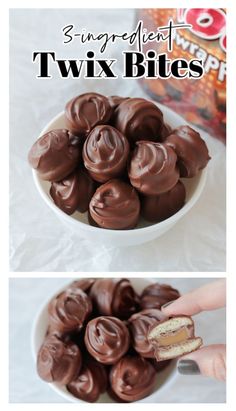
x=211 y=361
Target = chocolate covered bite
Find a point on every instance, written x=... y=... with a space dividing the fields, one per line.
x=69 y=311
x=55 y=155
x=90 y=383
x=191 y=150
x=139 y=325
x=115 y=205
x=153 y=169
x=86 y=111
x=173 y=338
x=132 y=378
x=84 y=284
x=58 y=361
x=160 y=207
x=105 y=153
x=114 y=297
x=73 y=192
x=107 y=339
x=138 y=119
x=115 y=101
x=155 y=295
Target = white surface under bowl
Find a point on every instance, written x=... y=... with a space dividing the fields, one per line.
x=145 y=231
x=40 y=325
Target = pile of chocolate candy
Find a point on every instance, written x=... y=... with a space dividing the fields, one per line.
x=96 y=339
x=118 y=160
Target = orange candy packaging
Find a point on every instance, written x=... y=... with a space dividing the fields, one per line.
x=203 y=101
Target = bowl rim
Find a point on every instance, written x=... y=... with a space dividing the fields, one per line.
x=119 y=233
x=69 y=397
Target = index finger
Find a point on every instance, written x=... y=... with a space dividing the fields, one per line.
x=209 y=297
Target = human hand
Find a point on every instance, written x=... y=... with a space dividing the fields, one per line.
x=210 y=361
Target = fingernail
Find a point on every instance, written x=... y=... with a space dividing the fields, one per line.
x=188 y=367
x=166 y=304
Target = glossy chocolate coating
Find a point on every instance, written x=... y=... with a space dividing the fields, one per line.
x=58 y=361
x=153 y=168
x=107 y=339
x=73 y=192
x=139 y=325
x=86 y=111
x=191 y=150
x=160 y=207
x=105 y=153
x=91 y=381
x=114 y=297
x=166 y=130
x=156 y=295
x=115 y=205
x=84 y=284
x=132 y=378
x=55 y=155
x=69 y=310
x=138 y=119
x=115 y=101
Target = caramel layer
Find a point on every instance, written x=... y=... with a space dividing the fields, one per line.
x=174 y=338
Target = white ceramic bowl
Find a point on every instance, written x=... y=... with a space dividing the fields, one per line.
x=145 y=231
x=165 y=377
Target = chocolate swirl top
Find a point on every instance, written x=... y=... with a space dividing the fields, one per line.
x=86 y=111
x=58 y=361
x=114 y=297
x=132 y=378
x=69 y=310
x=105 y=153
x=55 y=155
x=156 y=295
x=90 y=383
x=139 y=119
x=107 y=339
x=115 y=205
x=84 y=284
x=139 y=325
x=73 y=192
x=160 y=207
x=191 y=150
x=115 y=101
x=153 y=169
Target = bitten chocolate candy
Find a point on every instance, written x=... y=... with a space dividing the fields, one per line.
x=73 y=192
x=132 y=378
x=55 y=155
x=160 y=207
x=115 y=205
x=156 y=295
x=86 y=111
x=173 y=338
x=139 y=325
x=105 y=153
x=69 y=310
x=107 y=339
x=191 y=150
x=58 y=361
x=91 y=381
x=153 y=168
x=138 y=119
x=114 y=297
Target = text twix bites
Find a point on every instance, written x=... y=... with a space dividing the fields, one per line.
x=203 y=101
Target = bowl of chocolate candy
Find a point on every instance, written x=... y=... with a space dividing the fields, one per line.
x=90 y=340
x=120 y=171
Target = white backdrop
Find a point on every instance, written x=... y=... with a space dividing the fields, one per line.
x=38 y=241
x=26 y=297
